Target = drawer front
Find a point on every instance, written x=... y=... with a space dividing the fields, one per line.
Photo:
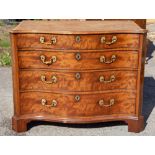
x=77 y=81
x=67 y=105
x=49 y=41
x=78 y=60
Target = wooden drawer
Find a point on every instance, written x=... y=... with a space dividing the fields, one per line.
x=77 y=81
x=66 y=105
x=104 y=41
x=79 y=60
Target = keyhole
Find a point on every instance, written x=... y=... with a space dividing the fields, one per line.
x=53 y=40
x=77 y=98
x=77 y=39
x=78 y=76
x=78 y=56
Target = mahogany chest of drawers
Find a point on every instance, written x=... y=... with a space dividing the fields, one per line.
x=78 y=72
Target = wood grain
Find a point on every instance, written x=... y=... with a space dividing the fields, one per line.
x=66 y=81
x=15 y=74
x=89 y=60
x=87 y=106
x=140 y=22
x=69 y=41
x=77 y=27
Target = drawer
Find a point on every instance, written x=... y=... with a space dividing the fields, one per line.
x=50 y=41
x=78 y=60
x=70 y=105
x=77 y=81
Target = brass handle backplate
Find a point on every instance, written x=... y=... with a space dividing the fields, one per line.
x=102 y=103
x=53 y=79
x=51 y=61
x=53 y=103
x=53 y=41
x=113 y=40
x=103 y=59
x=102 y=79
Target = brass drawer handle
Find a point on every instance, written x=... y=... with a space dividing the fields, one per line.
x=103 y=59
x=53 y=79
x=53 y=103
x=53 y=41
x=102 y=79
x=77 y=98
x=51 y=61
x=102 y=103
x=113 y=40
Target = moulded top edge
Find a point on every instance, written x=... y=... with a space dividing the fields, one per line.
x=78 y=27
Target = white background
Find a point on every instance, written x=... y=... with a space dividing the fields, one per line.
x=77 y=9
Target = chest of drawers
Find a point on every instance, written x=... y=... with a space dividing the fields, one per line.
x=78 y=72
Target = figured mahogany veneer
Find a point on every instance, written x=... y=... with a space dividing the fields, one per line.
x=78 y=72
x=31 y=41
x=85 y=81
x=88 y=59
x=67 y=106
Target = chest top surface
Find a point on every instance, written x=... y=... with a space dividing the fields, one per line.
x=78 y=27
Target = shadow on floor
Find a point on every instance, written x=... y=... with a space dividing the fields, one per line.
x=148 y=97
x=90 y=125
x=149 y=85
x=150 y=50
